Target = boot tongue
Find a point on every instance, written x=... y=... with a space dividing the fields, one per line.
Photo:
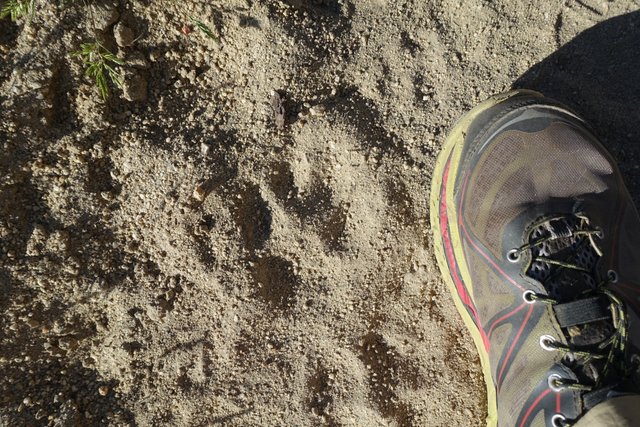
x=569 y=287
x=560 y=245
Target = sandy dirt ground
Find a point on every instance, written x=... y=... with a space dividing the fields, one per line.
x=240 y=236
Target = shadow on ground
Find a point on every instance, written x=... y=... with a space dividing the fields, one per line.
x=597 y=74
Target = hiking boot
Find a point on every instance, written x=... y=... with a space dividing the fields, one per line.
x=536 y=236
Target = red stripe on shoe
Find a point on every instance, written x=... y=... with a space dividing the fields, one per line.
x=476 y=247
x=446 y=238
x=625 y=286
x=506 y=316
x=513 y=344
x=533 y=406
x=558 y=403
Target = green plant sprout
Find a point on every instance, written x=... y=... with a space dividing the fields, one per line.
x=205 y=29
x=16 y=9
x=99 y=63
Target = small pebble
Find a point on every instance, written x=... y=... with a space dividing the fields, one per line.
x=105 y=14
x=124 y=35
x=135 y=88
x=317 y=110
x=199 y=192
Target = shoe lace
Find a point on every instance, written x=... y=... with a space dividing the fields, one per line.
x=611 y=351
x=617 y=344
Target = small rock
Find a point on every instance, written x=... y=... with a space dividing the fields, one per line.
x=155 y=56
x=136 y=59
x=317 y=110
x=191 y=76
x=278 y=109
x=135 y=88
x=107 y=196
x=205 y=148
x=124 y=35
x=36 y=242
x=199 y=193
x=105 y=14
x=153 y=315
x=103 y=390
x=67 y=344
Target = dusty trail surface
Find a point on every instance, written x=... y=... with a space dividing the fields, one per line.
x=180 y=255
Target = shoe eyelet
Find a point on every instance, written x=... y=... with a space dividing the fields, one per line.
x=613 y=276
x=529 y=296
x=558 y=420
x=513 y=256
x=546 y=342
x=599 y=234
x=552 y=382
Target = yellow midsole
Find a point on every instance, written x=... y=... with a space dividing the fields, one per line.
x=453 y=147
